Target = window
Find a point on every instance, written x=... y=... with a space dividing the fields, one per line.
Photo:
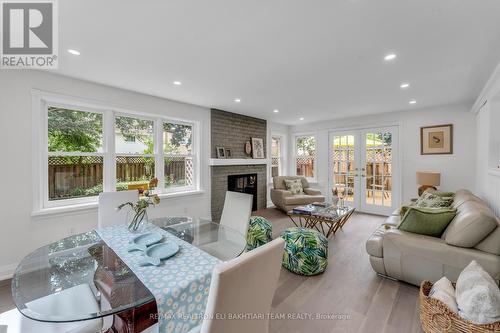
x=135 y=162
x=305 y=156
x=178 y=150
x=85 y=150
x=75 y=154
x=276 y=157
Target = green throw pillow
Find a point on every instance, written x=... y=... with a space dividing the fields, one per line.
x=294 y=186
x=431 y=200
x=427 y=221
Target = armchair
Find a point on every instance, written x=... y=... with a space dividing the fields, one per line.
x=285 y=200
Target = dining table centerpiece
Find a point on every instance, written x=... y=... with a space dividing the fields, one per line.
x=138 y=214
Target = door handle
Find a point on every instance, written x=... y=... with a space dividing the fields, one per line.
x=362 y=175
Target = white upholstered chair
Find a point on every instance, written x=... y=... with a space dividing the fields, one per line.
x=235 y=215
x=237 y=210
x=108 y=202
x=72 y=300
x=243 y=285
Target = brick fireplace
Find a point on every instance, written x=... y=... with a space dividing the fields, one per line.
x=231 y=131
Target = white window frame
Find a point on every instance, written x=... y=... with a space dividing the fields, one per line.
x=280 y=156
x=193 y=156
x=116 y=154
x=41 y=101
x=295 y=156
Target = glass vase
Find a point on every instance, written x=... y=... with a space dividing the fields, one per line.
x=136 y=222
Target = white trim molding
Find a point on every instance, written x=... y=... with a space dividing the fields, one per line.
x=7 y=271
x=238 y=161
x=491 y=87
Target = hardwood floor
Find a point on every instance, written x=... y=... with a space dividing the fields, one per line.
x=6 y=302
x=349 y=287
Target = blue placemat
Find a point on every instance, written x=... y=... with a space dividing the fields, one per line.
x=180 y=284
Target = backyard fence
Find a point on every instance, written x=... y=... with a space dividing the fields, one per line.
x=67 y=176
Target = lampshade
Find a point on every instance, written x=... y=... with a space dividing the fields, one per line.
x=428 y=178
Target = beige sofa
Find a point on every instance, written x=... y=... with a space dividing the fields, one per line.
x=286 y=201
x=474 y=234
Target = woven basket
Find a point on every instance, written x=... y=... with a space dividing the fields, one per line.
x=436 y=317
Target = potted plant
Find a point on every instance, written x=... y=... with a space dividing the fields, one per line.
x=140 y=210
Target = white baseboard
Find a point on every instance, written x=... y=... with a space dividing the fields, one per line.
x=6 y=271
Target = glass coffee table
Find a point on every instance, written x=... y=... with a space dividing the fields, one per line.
x=327 y=218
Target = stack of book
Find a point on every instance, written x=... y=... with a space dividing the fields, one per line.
x=305 y=210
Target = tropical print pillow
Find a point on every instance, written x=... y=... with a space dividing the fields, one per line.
x=306 y=251
x=260 y=232
x=440 y=193
x=430 y=200
x=294 y=186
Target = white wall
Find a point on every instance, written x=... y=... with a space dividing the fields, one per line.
x=487 y=111
x=281 y=130
x=22 y=233
x=457 y=170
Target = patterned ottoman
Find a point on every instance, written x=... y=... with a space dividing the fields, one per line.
x=306 y=251
x=259 y=232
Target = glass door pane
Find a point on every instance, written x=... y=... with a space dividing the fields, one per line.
x=378 y=170
x=344 y=166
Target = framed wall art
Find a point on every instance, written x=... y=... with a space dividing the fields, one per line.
x=436 y=139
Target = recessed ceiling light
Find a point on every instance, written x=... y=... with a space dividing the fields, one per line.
x=405 y=85
x=177 y=83
x=237 y=100
x=413 y=101
x=276 y=110
x=390 y=56
x=74 y=52
x=301 y=118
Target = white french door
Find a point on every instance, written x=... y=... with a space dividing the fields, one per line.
x=364 y=168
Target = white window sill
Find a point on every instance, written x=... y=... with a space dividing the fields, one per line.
x=92 y=206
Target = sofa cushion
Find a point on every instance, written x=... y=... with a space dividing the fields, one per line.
x=396 y=212
x=302 y=199
x=393 y=220
x=279 y=182
x=463 y=196
x=491 y=243
x=294 y=186
x=374 y=245
x=426 y=221
x=472 y=224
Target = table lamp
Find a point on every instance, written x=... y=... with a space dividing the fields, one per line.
x=427 y=179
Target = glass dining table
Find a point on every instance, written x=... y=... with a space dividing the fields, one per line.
x=86 y=260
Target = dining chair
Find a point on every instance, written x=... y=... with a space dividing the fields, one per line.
x=108 y=202
x=72 y=300
x=235 y=215
x=237 y=210
x=258 y=271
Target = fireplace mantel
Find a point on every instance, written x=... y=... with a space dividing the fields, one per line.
x=238 y=161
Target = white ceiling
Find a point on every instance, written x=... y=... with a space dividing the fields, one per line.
x=319 y=59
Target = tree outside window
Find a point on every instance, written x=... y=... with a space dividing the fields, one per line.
x=305 y=156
